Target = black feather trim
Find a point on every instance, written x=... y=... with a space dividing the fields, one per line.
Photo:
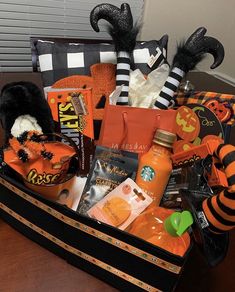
x=185 y=60
x=124 y=41
x=22 y=98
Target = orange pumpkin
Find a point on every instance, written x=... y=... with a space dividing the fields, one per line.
x=182 y=145
x=213 y=139
x=187 y=124
x=223 y=110
x=150 y=227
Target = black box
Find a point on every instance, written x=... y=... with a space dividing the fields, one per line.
x=124 y=261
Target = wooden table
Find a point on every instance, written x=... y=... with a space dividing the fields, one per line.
x=25 y=266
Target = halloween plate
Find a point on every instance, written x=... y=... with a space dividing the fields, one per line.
x=195 y=124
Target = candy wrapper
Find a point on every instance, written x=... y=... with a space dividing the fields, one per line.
x=193 y=177
x=109 y=169
x=72 y=111
x=121 y=206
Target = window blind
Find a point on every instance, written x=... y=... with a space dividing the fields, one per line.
x=21 y=19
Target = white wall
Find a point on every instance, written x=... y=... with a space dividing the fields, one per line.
x=180 y=18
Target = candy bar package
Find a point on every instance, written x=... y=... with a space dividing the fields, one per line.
x=110 y=168
x=122 y=205
x=188 y=157
x=72 y=112
x=193 y=177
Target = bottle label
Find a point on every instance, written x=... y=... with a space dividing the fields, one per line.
x=147 y=173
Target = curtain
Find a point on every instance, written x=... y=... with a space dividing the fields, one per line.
x=21 y=19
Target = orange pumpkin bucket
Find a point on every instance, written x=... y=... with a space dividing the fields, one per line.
x=47 y=166
x=60 y=192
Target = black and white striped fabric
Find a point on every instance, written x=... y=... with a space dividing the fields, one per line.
x=123 y=76
x=60 y=60
x=170 y=87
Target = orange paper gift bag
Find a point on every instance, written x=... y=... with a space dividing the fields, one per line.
x=131 y=128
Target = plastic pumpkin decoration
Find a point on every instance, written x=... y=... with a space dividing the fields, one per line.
x=152 y=226
x=187 y=124
x=222 y=110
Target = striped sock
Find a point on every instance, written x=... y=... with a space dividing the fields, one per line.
x=123 y=76
x=169 y=88
x=220 y=210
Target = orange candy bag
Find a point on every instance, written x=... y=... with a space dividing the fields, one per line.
x=39 y=163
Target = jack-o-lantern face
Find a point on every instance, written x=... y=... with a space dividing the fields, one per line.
x=187 y=124
x=222 y=110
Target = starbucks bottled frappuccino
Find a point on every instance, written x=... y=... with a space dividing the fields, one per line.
x=155 y=166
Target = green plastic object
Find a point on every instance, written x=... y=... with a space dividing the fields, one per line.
x=178 y=223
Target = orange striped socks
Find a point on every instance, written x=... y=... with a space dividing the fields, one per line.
x=220 y=209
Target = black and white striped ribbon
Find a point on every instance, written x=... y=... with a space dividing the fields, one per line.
x=170 y=87
x=123 y=76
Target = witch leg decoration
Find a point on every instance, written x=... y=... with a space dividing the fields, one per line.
x=124 y=35
x=187 y=57
x=122 y=76
x=214 y=215
x=220 y=210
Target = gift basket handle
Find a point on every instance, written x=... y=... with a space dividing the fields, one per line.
x=125 y=132
x=68 y=139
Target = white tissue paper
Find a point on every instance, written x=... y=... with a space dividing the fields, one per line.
x=143 y=92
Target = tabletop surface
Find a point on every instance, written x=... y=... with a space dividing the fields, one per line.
x=26 y=266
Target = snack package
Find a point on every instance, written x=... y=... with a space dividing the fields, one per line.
x=122 y=205
x=110 y=168
x=39 y=163
x=72 y=111
x=190 y=156
x=191 y=177
x=45 y=165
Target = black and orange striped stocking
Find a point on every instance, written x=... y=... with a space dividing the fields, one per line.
x=220 y=209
